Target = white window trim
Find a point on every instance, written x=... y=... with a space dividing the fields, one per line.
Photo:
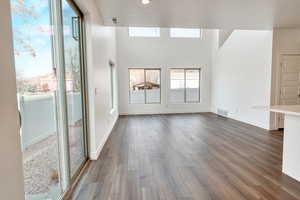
x=169 y=86
x=145 y=101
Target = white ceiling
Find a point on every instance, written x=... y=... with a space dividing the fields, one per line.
x=219 y=14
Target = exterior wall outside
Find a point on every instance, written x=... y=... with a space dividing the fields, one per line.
x=38 y=116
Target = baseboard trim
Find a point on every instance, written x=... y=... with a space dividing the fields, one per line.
x=95 y=155
x=163 y=113
x=262 y=126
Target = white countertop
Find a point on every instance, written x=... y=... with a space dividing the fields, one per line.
x=286 y=109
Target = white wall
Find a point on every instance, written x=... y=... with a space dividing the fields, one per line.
x=241 y=76
x=224 y=35
x=285 y=41
x=163 y=52
x=11 y=172
x=101 y=47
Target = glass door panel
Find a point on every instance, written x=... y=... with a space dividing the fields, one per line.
x=74 y=85
x=37 y=88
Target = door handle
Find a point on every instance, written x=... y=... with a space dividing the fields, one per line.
x=20 y=118
x=75 y=28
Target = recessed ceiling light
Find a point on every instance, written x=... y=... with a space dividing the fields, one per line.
x=145 y=2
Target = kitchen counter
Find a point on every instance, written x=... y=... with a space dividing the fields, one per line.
x=291 y=110
x=291 y=141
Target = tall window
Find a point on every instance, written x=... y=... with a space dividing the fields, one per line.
x=184 y=85
x=112 y=85
x=144 y=32
x=185 y=33
x=144 y=86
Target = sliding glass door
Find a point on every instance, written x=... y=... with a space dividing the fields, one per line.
x=51 y=94
x=72 y=22
x=37 y=89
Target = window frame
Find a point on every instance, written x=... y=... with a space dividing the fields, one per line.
x=145 y=93
x=199 y=69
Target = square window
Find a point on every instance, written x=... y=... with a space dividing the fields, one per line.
x=144 y=86
x=184 y=86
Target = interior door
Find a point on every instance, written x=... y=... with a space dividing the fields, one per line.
x=73 y=63
x=289 y=83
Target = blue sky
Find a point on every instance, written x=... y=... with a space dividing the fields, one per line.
x=26 y=64
x=38 y=30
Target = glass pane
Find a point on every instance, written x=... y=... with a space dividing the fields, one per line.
x=36 y=87
x=71 y=22
x=176 y=93
x=137 y=86
x=192 y=85
x=152 y=86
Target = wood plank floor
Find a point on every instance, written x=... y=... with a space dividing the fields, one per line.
x=188 y=157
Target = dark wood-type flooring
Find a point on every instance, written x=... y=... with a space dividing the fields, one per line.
x=188 y=157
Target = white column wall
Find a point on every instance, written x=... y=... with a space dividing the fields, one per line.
x=241 y=76
x=11 y=172
x=100 y=49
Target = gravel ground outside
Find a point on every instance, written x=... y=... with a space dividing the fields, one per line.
x=41 y=165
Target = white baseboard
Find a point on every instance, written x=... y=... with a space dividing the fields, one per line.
x=259 y=125
x=162 y=113
x=95 y=155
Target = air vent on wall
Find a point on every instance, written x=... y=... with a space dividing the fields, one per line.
x=222 y=112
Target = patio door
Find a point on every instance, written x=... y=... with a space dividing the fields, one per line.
x=37 y=89
x=74 y=82
x=51 y=94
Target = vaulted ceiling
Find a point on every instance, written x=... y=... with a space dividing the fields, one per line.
x=220 y=14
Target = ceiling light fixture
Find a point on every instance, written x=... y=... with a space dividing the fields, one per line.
x=145 y=2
